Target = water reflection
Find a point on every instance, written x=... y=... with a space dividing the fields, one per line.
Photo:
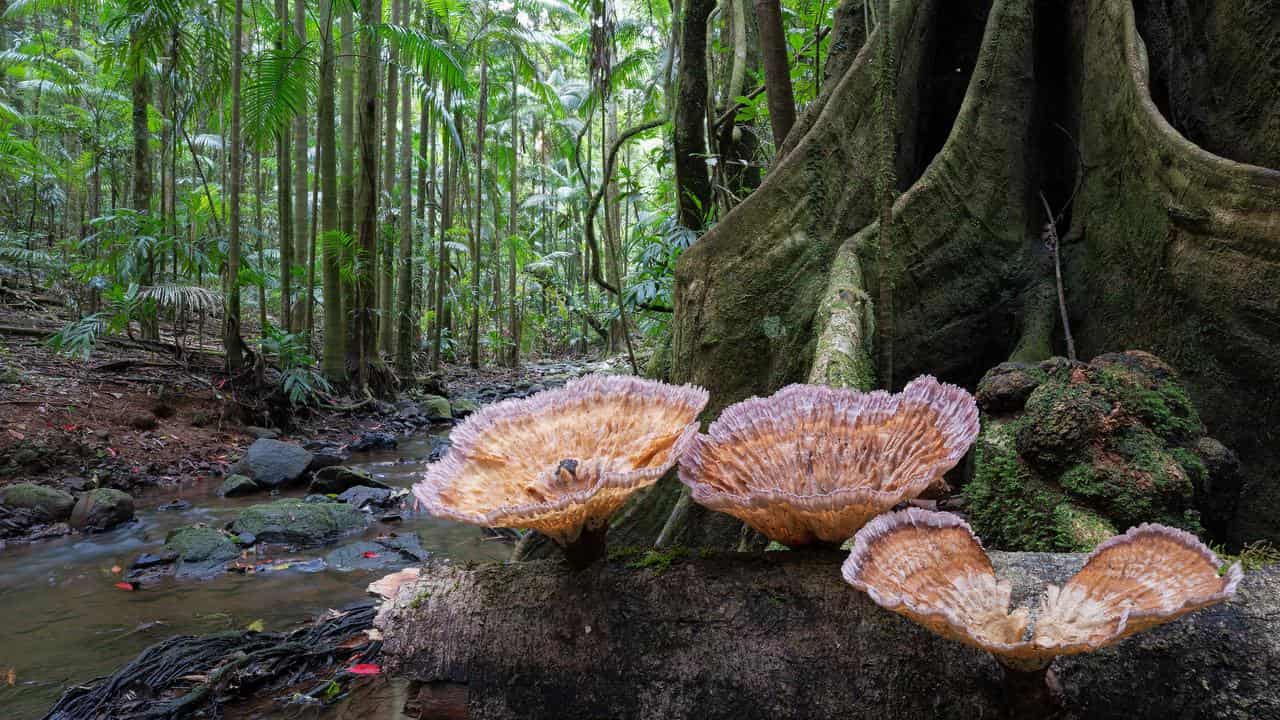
x=66 y=622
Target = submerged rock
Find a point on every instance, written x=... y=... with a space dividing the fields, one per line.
x=1072 y=453
x=102 y=509
x=45 y=503
x=373 y=440
x=339 y=478
x=295 y=522
x=361 y=496
x=236 y=485
x=380 y=552
x=272 y=463
x=200 y=550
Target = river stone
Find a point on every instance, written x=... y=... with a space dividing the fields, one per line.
x=46 y=503
x=295 y=522
x=373 y=440
x=261 y=433
x=463 y=407
x=273 y=463
x=236 y=485
x=367 y=555
x=201 y=550
x=360 y=496
x=436 y=407
x=102 y=509
x=336 y=479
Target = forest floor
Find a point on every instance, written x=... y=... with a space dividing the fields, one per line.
x=142 y=416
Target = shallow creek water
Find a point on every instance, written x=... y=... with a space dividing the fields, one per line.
x=65 y=622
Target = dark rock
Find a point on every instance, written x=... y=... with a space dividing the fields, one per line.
x=295 y=522
x=236 y=485
x=144 y=422
x=321 y=459
x=336 y=479
x=273 y=464
x=1218 y=492
x=373 y=440
x=246 y=539
x=261 y=433
x=361 y=496
x=101 y=509
x=174 y=506
x=1006 y=387
x=78 y=484
x=201 y=550
x=380 y=552
x=439 y=446
x=1061 y=419
x=463 y=407
x=45 y=504
x=146 y=561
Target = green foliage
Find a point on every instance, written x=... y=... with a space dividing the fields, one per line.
x=300 y=381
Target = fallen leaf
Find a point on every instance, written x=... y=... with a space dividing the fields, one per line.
x=369 y=554
x=256 y=626
x=11 y=677
x=111 y=452
x=126 y=586
x=364 y=669
x=16 y=435
x=116 y=569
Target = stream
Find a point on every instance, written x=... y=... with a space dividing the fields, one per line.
x=66 y=622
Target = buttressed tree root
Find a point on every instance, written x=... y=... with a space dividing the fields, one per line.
x=931 y=568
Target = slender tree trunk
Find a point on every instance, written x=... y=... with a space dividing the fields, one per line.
x=346 y=188
x=404 y=333
x=777 y=71
x=257 y=221
x=141 y=199
x=386 y=277
x=285 y=191
x=332 y=358
x=301 y=228
x=513 y=302
x=442 y=253
x=482 y=109
x=425 y=215
x=367 y=194
x=693 y=186
x=231 y=340
x=309 y=300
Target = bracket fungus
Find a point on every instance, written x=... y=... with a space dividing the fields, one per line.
x=931 y=568
x=812 y=464
x=563 y=461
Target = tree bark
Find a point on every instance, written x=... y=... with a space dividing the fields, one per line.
x=301 y=228
x=367 y=197
x=482 y=109
x=285 y=192
x=780 y=635
x=777 y=69
x=404 y=313
x=390 y=139
x=333 y=356
x=347 y=186
x=231 y=342
x=693 y=185
x=513 y=226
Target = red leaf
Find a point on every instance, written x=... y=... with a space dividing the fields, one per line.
x=69 y=427
x=370 y=554
x=111 y=452
x=116 y=569
x=127 y=586
x=364 y=669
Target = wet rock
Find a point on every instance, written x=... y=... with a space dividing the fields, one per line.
x=326 y=457
x=439 y=446
x=380 y=552
x=101 y=509
x=200 y=550
x=436 y=408
x=174 y=506
x=45 y=504
x=147 y=561
x=361 y=497
x=301 y=523
x=336 y=479
x=1092 y=450
x=373 y=440
x=273 y=464
x=463 y=407
x=237 y=485
x=79 y=484
x=261 y=433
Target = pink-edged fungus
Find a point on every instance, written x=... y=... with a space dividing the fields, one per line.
x=931 y=568
x=812 y=464
x=562 y=461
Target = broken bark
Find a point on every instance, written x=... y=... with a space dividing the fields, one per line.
x=780 y=635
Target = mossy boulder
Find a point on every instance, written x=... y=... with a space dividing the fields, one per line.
x=1072 y=453
x=295 y=522
x=45 y=503
x=236 y=485
x=436 y=407
x=200 y=550
x=102 y=509
x=340 y=478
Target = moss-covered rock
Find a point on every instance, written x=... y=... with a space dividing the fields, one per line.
x=49 y=504
x=200 y=550
x=1092 y=450
x=102 y=509
x=295 y=522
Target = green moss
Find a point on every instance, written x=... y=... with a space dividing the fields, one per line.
x=420 y=598
x=659 y=561
x=1009 y=507
x=1079 y=530
x=1164 y=407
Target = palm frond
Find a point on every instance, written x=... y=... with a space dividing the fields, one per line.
x=429 y=55
x=191 y=297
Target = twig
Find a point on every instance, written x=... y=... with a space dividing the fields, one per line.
x=1051 y=242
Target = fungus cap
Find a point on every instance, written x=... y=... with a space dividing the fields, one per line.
x=562 y=460
x=813 y=464
x=929 y=567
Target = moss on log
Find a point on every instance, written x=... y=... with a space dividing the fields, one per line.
x=779 y=635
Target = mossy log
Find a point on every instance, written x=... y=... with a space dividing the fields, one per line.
x=779 y=635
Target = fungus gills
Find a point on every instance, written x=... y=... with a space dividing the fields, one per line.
x=563 y=461
x=810 y=464
x=931 y=568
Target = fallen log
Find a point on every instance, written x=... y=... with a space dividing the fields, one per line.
x=780 y=635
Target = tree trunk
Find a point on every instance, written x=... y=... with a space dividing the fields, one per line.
x=285 y=191
x=482 y=109
x=231 y=342
x=333 y=356
x=693 y=185
x=513 y=227
x=390 y=139
x=367 y=198
x=301 y=228
x=347 y=187
x=780 y=635
x=777 y=70
x=404 y=314
x=141 y=192
x=442 y=252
